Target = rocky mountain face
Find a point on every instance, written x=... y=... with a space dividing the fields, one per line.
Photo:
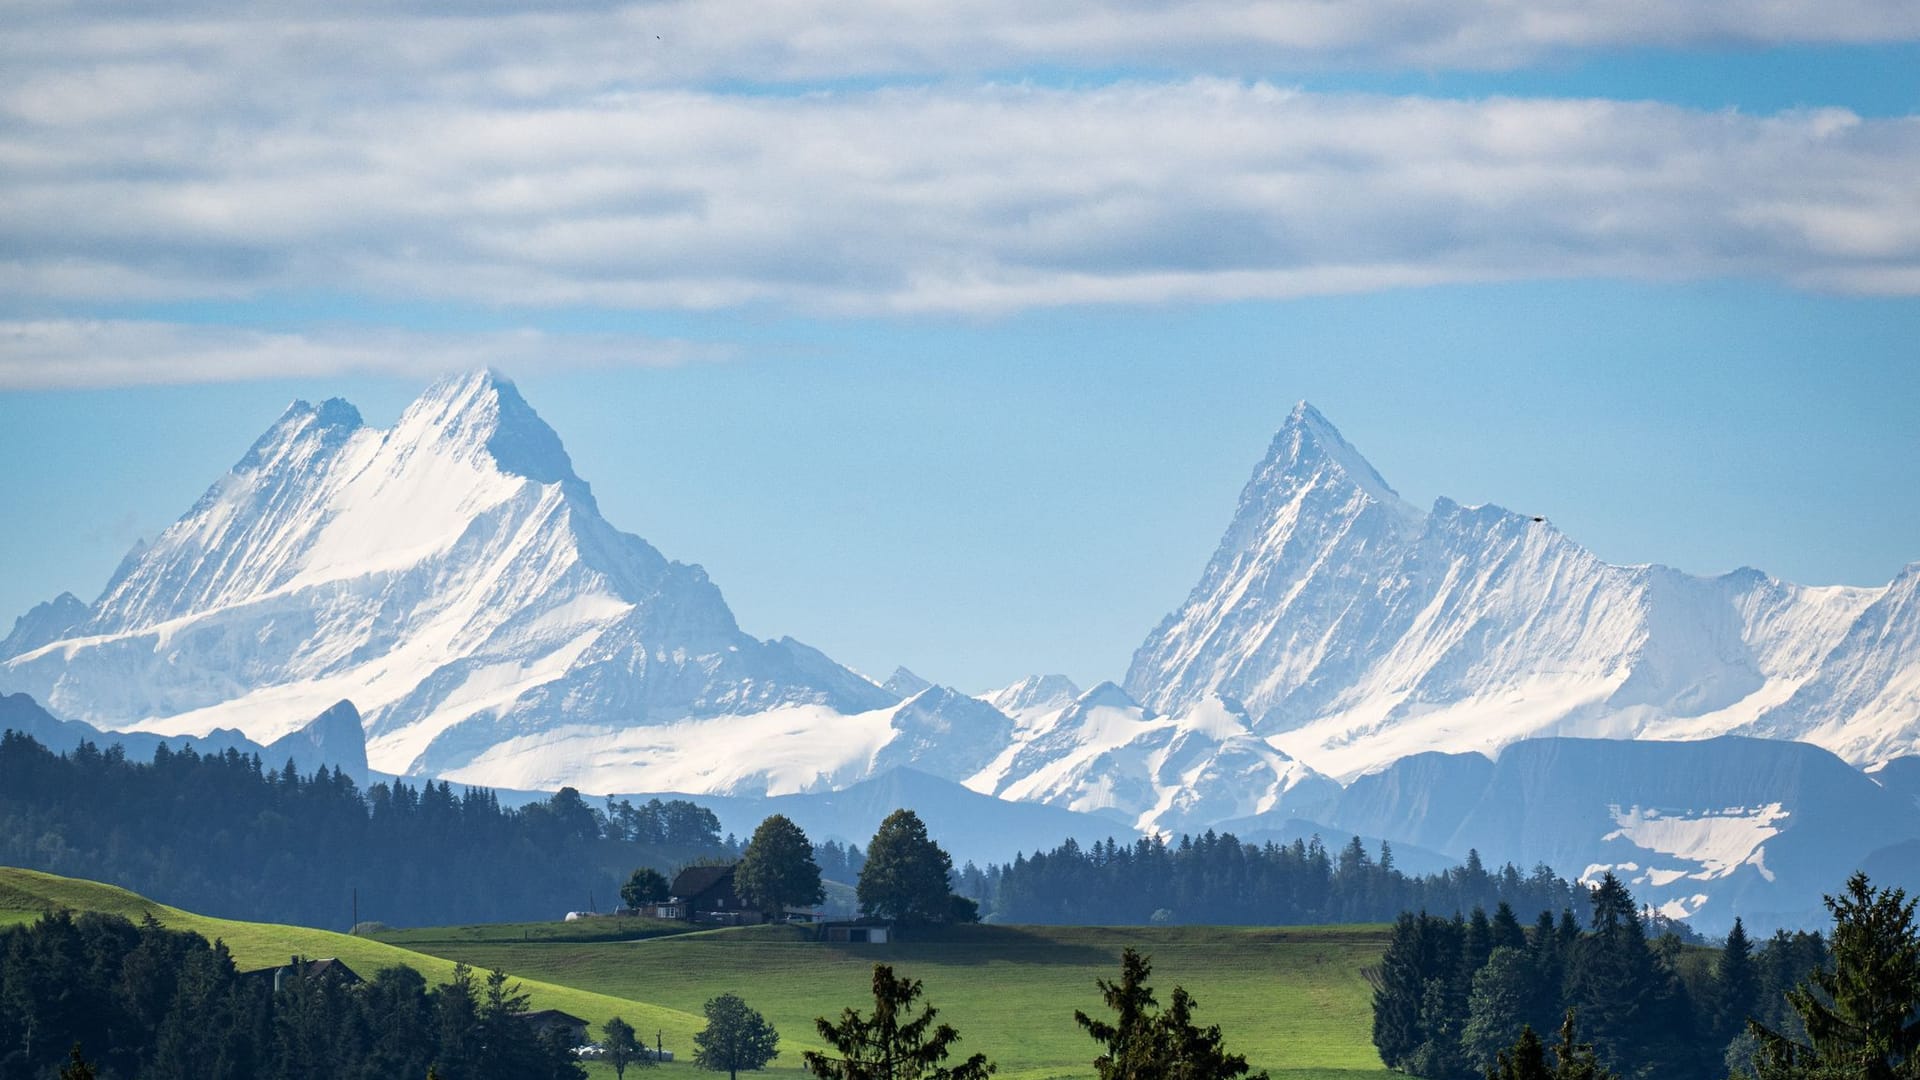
x=1700 y=829
x=1357 y=630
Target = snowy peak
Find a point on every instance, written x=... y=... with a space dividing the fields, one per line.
x=1309 y=446
x=484 y=410
x=452 y=577
x=46 y=622
x=1315 y=524
x=904 y=684
x=1357 y=632
x=1033 y=694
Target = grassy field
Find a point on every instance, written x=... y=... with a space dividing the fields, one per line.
x=1293 y=1000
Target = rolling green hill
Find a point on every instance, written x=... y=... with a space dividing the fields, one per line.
x=25 y=894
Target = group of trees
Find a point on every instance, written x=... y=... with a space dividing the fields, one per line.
x=108 y=997
x=223 y=835
x=1216 y=879
x=904 y=876
x=1465 y=997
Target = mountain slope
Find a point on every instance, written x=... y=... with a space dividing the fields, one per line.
x=451 y=576
x=1357 y=631
x=1702 y=829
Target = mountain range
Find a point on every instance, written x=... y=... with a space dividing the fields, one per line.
x=1346 y=659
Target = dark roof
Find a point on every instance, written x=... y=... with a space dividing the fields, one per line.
x=551 y=1017
x=327 y=968
x=698 y=880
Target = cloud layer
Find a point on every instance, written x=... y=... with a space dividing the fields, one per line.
x=68 y=353
x=947 y=199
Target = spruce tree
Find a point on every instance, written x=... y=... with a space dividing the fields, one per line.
x=1861 y=1015
x=1141 y=1044
x=1736 y=985
x=1397 y=993
x=893 y=1043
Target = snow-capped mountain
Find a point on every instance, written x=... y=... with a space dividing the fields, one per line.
x=1357 y=630
x=453 y=578
x=1104 y=753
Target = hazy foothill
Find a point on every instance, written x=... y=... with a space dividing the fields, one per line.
x=1096 y=540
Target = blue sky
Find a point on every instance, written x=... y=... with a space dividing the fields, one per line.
x=951 y=345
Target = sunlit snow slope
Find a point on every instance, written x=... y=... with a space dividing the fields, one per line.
x=1357 y=630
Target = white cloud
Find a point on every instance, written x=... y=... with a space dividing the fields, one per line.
x=361 y=51
x=956 y=199
x=41 y=354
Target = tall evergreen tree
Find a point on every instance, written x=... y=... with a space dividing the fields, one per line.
x=1862 y=1017
x=1143 y=1044
x=1736 y=985
x=1398 y=991
x=893 y=1043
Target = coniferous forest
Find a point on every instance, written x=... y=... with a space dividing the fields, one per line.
x=1451 y=994
x=1216 y=879
x=99 y=995
x=223 y=835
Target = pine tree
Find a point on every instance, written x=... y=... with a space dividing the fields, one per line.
x=892 y=1044
x=1141 y=1044
x=1860 y=1016
x=1397 y=992
x=1736 y=985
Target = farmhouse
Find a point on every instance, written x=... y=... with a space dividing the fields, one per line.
x=547 y=1020
x=705 y=895
x=328 y=968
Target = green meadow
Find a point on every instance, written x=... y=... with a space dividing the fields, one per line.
x=1294 y=1000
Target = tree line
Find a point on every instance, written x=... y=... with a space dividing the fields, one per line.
x=225 y=835
x=1452 y=995
x=1218 y=880
x=99 y=996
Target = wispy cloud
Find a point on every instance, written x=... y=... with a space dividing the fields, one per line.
x=951 y=199
x=48 y=354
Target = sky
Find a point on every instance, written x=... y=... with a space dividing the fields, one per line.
x=945 y=335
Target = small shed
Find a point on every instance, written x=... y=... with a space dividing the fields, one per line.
x=856 y=934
